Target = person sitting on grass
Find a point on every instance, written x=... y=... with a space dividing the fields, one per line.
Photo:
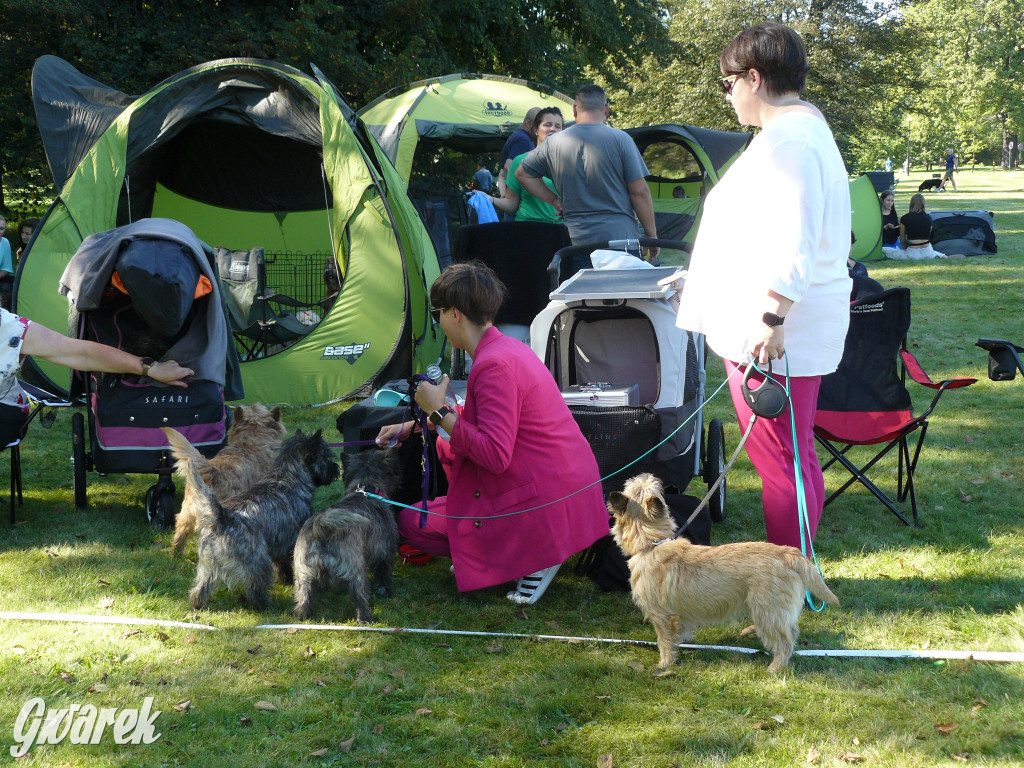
x=915 y=235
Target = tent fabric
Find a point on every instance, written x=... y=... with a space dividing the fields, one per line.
x=971 y=233
x=716 y=149
x=247 y=153
x=866 y=223
x=467 y=111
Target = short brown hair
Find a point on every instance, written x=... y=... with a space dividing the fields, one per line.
x=471 y=287
x=776 y=51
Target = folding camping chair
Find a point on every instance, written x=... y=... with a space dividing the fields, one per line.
x=866 y=402
x=41 y=402
x=260 y=317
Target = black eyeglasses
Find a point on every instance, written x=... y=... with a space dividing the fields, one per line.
x=436 y=314
x=729 y=82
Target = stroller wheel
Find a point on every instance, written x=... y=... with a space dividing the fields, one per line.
x=714 y=465
x=160 y=507
x=78 y=459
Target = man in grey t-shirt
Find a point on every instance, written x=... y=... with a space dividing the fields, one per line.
x=598 y=172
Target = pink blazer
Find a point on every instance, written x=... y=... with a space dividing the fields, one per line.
x=516 y=447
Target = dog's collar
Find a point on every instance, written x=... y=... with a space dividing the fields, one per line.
x=653 y=544
x=367 y=491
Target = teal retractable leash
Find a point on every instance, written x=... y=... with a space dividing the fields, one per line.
x=770 y=400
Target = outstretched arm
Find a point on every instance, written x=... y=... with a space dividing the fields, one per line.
x=83 y=355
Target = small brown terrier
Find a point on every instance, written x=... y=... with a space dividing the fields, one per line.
x=680 y=586
x=255 y=435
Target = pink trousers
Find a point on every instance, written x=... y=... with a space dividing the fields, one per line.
x=434 y=537
x=770 y=448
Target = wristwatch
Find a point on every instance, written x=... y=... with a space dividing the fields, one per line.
x=438 y=416
x=772 y=320
x=147 y=363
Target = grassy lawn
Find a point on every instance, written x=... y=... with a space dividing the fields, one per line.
x=398 y=699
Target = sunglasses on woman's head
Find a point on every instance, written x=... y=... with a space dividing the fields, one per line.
x=436 y=314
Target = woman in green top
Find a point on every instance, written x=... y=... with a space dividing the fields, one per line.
x=517 y=200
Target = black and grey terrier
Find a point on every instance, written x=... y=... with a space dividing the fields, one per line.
x=242 y=538
x=352 y=539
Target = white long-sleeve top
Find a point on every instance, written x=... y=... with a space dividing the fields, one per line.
x=778 y=220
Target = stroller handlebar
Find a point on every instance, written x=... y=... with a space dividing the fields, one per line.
x=571 y=251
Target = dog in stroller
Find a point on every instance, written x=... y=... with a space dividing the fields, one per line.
x=148 y=288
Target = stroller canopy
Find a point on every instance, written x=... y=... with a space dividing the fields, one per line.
x=247 y=154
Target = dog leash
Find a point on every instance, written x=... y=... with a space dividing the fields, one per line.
x=714 y=487
x=668 y=437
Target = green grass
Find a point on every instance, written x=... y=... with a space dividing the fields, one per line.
x=412 y=699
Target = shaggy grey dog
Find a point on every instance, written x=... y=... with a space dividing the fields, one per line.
x=353 y=538
x=243 y=538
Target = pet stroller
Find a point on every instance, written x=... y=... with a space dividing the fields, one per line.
x=148 y=288
x=630 y=376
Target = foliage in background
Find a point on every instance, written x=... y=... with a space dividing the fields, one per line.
x=364 y=46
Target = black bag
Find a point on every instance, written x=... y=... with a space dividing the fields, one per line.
x=604 y=564
x=13 y=421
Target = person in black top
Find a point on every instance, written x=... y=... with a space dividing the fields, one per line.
x=915 y=234
x=890 y=219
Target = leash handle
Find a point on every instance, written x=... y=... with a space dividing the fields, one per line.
x=423 y=420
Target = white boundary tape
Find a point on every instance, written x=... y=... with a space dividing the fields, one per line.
x=881 y=654
x=86 y=618
x=995 y=656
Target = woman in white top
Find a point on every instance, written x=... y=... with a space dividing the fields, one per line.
x=768 y=275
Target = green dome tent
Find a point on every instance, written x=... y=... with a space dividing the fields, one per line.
x=867 y=220
x=248 y=154
x=469 y=113
x=684 y=163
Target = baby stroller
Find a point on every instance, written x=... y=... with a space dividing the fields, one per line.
x=148 y=288
x=630 y=376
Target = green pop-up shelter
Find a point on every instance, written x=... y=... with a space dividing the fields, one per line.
x=466 y=112
x=247 y=153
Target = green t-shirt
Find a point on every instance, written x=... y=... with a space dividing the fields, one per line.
x=530 y=208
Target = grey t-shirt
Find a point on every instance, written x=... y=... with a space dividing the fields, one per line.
x=591 y=165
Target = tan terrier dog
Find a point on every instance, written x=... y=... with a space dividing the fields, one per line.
x=255 y=435
x=680 y=586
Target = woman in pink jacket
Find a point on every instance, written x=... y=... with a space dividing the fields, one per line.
x=523 y=482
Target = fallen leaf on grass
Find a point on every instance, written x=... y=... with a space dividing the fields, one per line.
x=320 y=684
x=813 y=755
x=18 y=650
x=664 y=673
x=147 y=670
x=318 y=752
x=966 y=498
x=544 y=742
x=561 y=727
x=106 y=602
x=131 y=633
x=309 y=653
x=378 y=728
x=981 y=704
x=963 y=758
x=769 y=724
x=494 y=647
x=386 y=690
x=851 y=757
x=98 y=688
x=398 y=673
x=604 y=761
x=254 y=650
x=292 y=630
x=66 y=677
x=636 y=666
x=265 y=706
x=181 y=706
x=103 y=583
x=161 y=681
x=424 y=711
x=346 y=745
x=163 y=637
x=977 y=481
x=856 y=741
x=946 y=727
x=245 y=720
x=189 y=639
x=603 y=697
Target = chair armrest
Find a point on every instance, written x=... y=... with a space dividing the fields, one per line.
x=39 y=395
x=918 y=374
